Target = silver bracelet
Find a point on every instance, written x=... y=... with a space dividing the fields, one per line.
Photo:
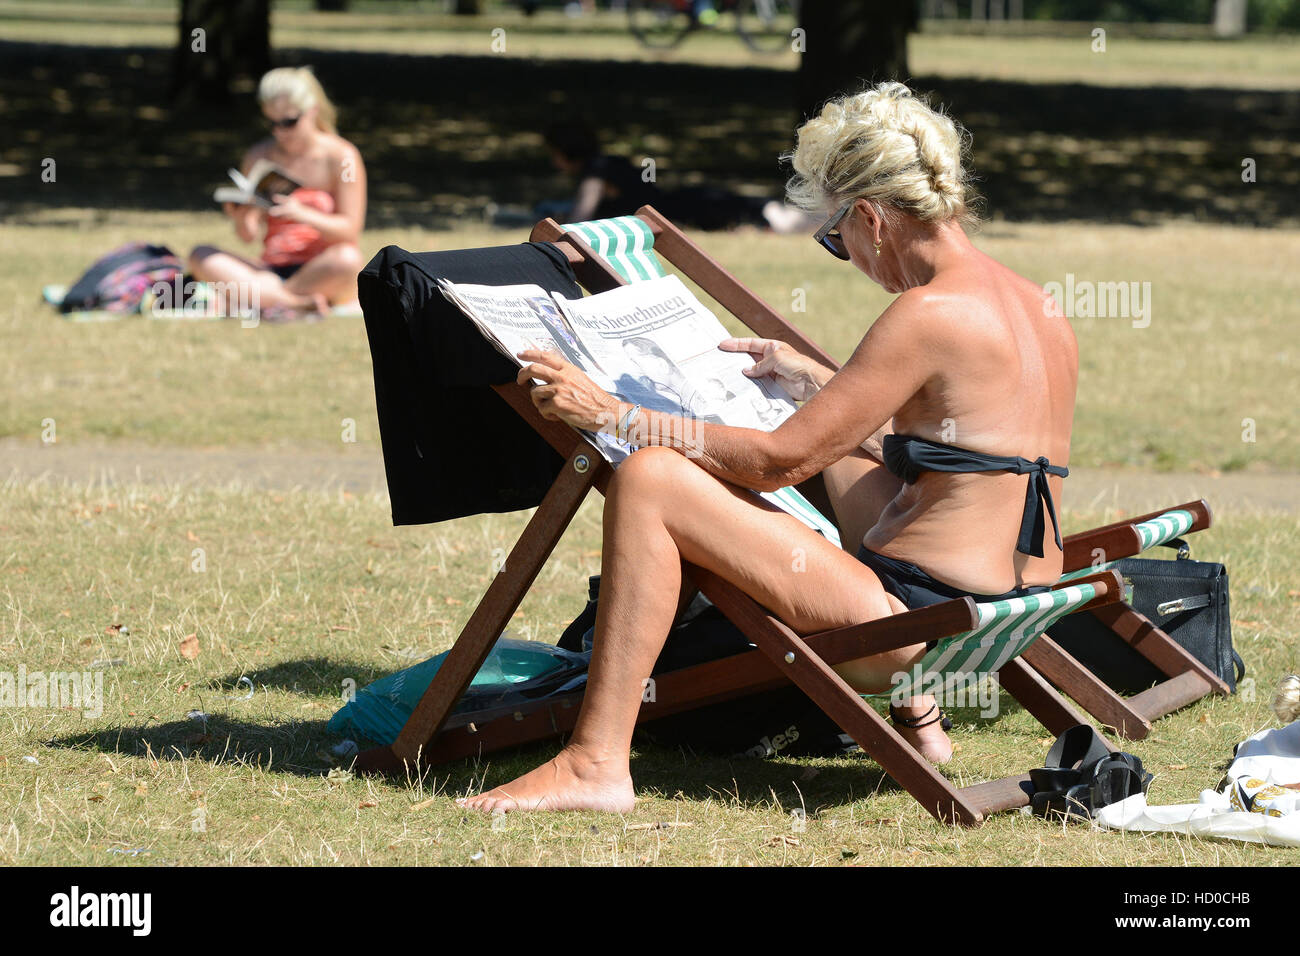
x=626 y=422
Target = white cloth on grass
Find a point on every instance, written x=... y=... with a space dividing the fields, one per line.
x=1254 y=806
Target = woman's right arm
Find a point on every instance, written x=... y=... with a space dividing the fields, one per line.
x=587 y=199
x=801 y=376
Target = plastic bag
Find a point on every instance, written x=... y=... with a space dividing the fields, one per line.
x=514 y=671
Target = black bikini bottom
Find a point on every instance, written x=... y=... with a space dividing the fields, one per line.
x=915 y=588
x=284 y=272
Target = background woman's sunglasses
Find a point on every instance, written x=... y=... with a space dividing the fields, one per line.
x=287 y=123
x=829 y=238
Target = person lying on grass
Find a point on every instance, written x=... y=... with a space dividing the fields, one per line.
x=971 y=362
x=310 y=253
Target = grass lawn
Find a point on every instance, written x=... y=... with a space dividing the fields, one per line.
x=304 y=590
x=1173 y=395
x=279 y=594
x=1132 y=54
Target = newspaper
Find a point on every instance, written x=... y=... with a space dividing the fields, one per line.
x=652 y=343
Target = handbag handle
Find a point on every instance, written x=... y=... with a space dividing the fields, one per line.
x=1183 y=548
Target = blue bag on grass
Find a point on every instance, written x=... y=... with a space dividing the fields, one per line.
x=514 y=671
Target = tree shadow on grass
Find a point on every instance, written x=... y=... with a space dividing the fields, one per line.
x=445 y=135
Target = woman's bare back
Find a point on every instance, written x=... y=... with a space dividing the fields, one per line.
x=1008 y=390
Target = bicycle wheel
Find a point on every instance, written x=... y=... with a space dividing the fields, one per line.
x=660 y=24
x=766 y=26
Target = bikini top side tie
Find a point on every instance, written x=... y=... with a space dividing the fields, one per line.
x=907 y=457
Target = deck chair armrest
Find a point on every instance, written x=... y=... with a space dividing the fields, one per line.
x=1109 y=587
x=1121 y=539
x=1200 y=510
x=1104 y=544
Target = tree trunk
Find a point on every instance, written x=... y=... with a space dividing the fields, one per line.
x=221 y=42
x=849 y=45
x=1229 y=18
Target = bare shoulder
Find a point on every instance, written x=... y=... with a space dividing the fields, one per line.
x=342 y=151
x=1048 y=316
x=948 y=308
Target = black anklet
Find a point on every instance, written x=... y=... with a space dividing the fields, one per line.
x=914 y=723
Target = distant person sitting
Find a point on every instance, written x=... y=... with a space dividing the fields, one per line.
x=610 y=186
x=310 y=253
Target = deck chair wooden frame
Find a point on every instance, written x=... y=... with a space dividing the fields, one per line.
x=781 y=655
x=1186 y=678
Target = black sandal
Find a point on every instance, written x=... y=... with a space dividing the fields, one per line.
x=914 y=723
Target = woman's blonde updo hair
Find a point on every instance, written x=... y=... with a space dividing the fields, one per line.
x=298 y=84
x=886 y=145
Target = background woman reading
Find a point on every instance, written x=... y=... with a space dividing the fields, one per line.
x=310 y=253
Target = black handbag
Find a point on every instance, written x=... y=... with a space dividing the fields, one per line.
x=1186 y=599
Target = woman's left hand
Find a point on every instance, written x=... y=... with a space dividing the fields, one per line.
x=566 y=393
x=286 y=207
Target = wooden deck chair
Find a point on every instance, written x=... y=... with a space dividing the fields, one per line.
x=628 y=245
x=971 y=638
x=1186 y=678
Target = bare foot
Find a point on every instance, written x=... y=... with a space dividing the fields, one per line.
x=314 y=302
x=569 y=781
x=929 y=740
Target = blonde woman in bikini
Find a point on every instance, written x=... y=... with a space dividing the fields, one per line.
x=310 y=253
x=943 y=442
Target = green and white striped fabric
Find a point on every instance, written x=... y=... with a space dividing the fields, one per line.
x=1156 y=531
x=790 y=500
x=626 y=243
x=1005 y=629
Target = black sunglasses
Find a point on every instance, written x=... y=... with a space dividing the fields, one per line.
x=287 y=123
x=829 y=238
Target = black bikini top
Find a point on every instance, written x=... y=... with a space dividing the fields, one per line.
x=907 y=457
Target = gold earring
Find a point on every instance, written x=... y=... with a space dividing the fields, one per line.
x=877 y=245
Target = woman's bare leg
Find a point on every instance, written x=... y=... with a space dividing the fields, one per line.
x=244 y=282
x=859 y=488
x=332 y=274
x=663 y=509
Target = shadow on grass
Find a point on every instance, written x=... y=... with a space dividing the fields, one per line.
x=444 y=135
x=303 y=748
x=312 y=675
x=288 y=747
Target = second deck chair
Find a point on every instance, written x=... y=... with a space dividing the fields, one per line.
x=629 y=246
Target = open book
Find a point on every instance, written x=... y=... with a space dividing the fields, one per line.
x=653 y=344
x=263 y=181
